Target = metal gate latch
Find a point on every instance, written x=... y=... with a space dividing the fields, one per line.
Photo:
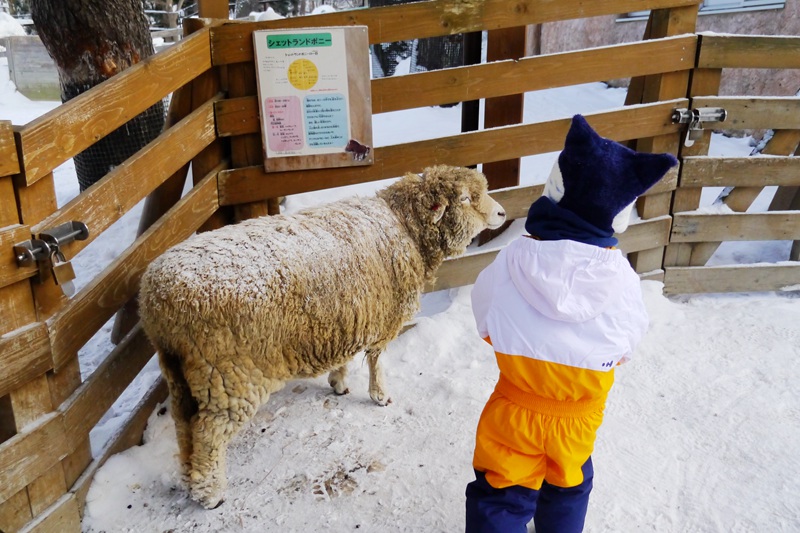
x=46 y=251
x=696 y=118
x=33 y=250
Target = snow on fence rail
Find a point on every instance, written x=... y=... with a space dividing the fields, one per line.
x=47 y=411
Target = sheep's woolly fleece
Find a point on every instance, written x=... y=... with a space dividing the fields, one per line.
x=236 y=312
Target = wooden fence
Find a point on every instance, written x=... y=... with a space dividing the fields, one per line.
x=47 y=411
x=696 y=236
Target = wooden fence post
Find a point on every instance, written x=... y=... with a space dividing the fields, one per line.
x=25 y=302
x=155 y=205
x=213 y=9
x=704 y=82
x=247 y=150
x=16 y=310
x=662 y=23
x=166 y=195
x=504 y=110
x=509 y=43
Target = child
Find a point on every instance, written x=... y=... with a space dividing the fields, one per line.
x=561 y=308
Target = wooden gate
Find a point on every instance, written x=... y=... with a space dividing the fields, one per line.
x=695 y=236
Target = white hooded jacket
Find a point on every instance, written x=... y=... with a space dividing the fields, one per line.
x=562 y=302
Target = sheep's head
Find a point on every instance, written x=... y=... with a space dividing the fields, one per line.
x=444 y=209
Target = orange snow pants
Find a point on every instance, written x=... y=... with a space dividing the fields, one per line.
x=524 y=439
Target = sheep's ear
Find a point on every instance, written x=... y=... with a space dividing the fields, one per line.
x=438 y=211
x=465 y=197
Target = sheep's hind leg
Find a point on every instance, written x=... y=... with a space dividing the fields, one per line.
x=211 y=433
x=336 y=379
x=376 y=391
x=183 y=407
x=182 y=410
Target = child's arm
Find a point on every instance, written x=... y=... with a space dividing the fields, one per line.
x=482 y=293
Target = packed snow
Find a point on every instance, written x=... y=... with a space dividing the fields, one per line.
x=699 y=431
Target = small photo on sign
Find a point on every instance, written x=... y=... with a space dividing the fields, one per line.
x=314 y=94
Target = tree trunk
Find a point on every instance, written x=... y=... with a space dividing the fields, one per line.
x=90 y=41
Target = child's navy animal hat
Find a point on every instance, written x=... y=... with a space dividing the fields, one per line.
x=600 y=178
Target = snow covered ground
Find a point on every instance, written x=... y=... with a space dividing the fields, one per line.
x=700 y=431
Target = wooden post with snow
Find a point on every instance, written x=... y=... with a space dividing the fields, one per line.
x=213 y=9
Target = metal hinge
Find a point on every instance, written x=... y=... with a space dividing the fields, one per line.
x=696 y=118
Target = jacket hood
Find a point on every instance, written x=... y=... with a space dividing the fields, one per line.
x=565 y=280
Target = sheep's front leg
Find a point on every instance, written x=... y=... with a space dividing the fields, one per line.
x=376 y=391
x=336 y=379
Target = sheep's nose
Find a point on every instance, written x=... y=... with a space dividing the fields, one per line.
x=502 y=213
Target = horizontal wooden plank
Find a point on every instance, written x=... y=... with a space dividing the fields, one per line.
x=121 y=189
x=87 y=311
x=24 y=354
x=239 y=116
x=251 y=184
x=461 y=271
x=532 y=73
x=30 y=453
x=780 y=225
x=744 y=112
x=703 y=171
x=15 y=512
x=653 y=275
x=130 y=434
x=10 y=271
x=61 y=517
x=9 y=161
x=517 y=200
x=645 y=235
x=69 y=129
x=749 y=51
x=232 y=43
x=737 y=278
x=98 y=393
x=26 y=456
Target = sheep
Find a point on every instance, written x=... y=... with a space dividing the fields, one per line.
x=236 y=312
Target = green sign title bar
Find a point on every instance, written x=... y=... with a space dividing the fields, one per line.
x=300 y=40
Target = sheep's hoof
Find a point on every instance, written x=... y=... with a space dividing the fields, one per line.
x=220 y=503
x=380 y=398
x=339 y=386
x=209 y=502
x=209 y=495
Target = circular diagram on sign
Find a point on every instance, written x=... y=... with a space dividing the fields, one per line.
x=303 y=74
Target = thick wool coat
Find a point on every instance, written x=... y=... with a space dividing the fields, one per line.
x=236 y=312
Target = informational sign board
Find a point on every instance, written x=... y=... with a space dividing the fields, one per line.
x=314 y=97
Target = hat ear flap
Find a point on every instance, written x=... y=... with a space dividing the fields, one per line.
x=554 y=186
x=580 y=132
x=650 y=168
x=623 y=218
